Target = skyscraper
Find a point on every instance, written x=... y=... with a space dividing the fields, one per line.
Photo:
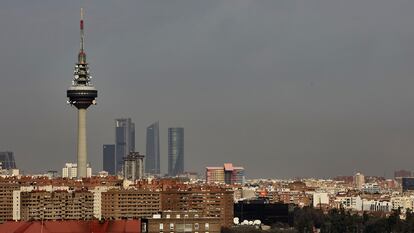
x=109 y=158
x=124 y=141
x=175 y=151
x=82 y=94
x=7 y=160
x=133 y=166
x=359 y=180
x=152 y=158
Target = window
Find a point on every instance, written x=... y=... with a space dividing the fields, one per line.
x=171 y=226
x=161 y=227
x=168 y=216
x=196 y=226
x=207 y=226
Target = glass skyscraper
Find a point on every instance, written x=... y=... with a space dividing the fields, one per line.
x=7 y=160
x=124 y=141
x=109 y=158
x=152 y=158
x=175 y=151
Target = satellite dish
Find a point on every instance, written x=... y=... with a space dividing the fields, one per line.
x=236 y=221
x=250 y=222
x=257 y=222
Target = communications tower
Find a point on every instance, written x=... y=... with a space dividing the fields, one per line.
x=82 y=94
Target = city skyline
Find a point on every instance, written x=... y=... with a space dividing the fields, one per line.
x=284 y=89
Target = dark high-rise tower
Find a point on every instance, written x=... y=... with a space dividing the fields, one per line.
x=82 y=94
x=109 y=158
x=7 y=160
x=175 y=151
x=124 y=141
x=152 y=158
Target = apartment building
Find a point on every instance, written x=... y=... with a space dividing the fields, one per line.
x=6 y=200
x=211 y=202
x=183 y=221
x=56 y=205
x=129 y=204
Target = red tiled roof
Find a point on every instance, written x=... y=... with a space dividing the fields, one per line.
x=116 y=226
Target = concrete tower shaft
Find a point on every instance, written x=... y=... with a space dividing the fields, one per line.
x=82 y=94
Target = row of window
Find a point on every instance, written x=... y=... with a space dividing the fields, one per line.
x=185 y=227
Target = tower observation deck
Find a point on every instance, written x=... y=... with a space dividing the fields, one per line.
x=82 y=94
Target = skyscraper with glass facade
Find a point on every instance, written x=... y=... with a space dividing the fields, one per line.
x=124 y=141
x=152 y=157
x=7 y=160
x=175 y=151
x=109 y=158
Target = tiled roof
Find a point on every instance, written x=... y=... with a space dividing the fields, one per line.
x=71 y=226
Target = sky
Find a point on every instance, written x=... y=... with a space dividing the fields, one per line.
x=284 y=88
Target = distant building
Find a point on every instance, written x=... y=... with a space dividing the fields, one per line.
x=133 y=168
x=109 y=158
x=359 y=181
x=407 y=184
x=152 y=158
x=175 y=151
x=349 y=202
x=320 y=199
x=227 y=174
x=70 y=170
x=402 y=173
x=7 y=160
x=371 y=188
x=124 y=141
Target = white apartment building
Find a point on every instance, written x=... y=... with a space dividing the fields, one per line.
x=350 y=203
x=320 y=199
x=70 y=170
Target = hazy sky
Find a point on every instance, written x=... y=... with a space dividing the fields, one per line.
x=282 y=87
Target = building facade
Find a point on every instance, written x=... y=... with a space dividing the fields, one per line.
x=6 y=200
x=129 y=204
x=183 y=221
x=108 y=158
x=359 y=181
x=56 y=205
x=227 y=174
x=124 y=141
x=175 y=151
x=7 y=160
x=152 y=159
x=70 y=170
x=210 y=202
x=133 y=168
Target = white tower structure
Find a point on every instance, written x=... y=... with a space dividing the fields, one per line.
x=82 y=94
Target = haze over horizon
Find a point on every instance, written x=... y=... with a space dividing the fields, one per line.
x=289 y=88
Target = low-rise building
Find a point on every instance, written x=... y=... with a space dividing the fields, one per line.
x=183 y=221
